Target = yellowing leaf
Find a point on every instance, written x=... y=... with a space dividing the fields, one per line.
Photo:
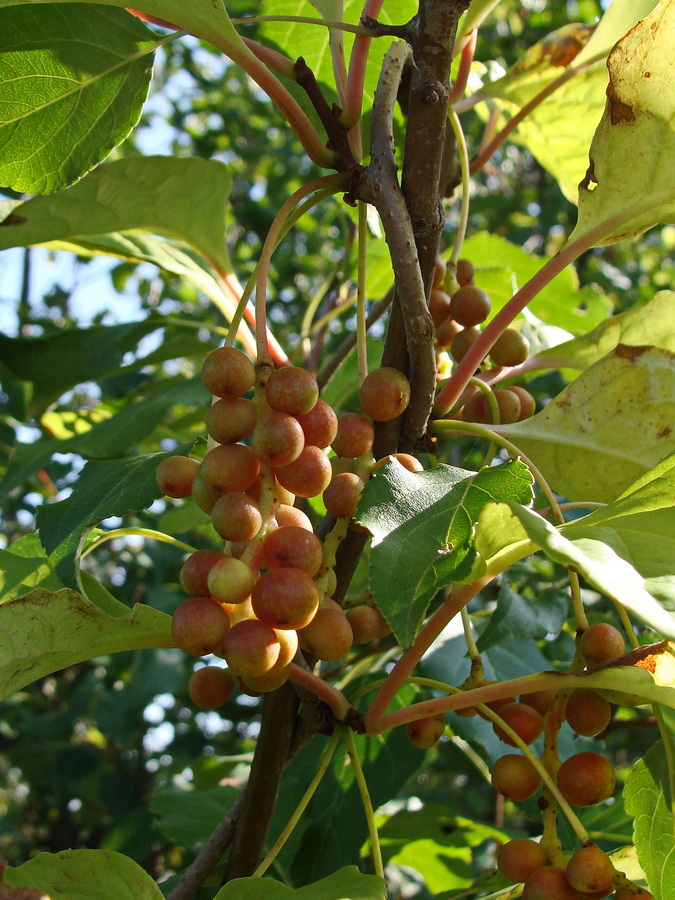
x=631 y=175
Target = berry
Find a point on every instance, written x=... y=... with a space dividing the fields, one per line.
x=439 y=306
x=236 y=517
x=542 y=701
x=251 y=648
x=590 y=870
x=587 y=712
x=277 y=439
x=586 y=779
x=602 y=642
x=308 y=475
x=519 y=858
x=291 y=546
x=365 y=622
x=509 y=405
x=477 y=409
x=548 y=883
x=523 y=719
x=285 y=598
x=515 y=777
x=470 y=306
x=407 y=461
x=231 y=419
x=227 y=372
x=319 y=425
x=384 y=394
x=440 y=271
x=528 y=404
x=175 y=475
x=288 y=644
x=462 y=341
x=329 y=635
x=355 y=435
x=445 y=333
x=342 y=495
x=265 y=683
x=426 y=732
x=203 y=494
x=210 y=687
x=291 y=390
x=636 y=893
x=291 y=515
x=510 y=349
x=230 y=467
x=199 y=626
x=194 y=574
x=464 y=272
x=230 y=580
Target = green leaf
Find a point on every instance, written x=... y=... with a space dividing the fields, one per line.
x=435 y=843
x=640 y=524
x=517 y=617
x=647 y=796
x=73 y=79
x=55 y=364
x=607 y=428
x=106 y=488
x=651 y=325
x=180 y=198
x=189 y=817
x=46 y=631
x=422 y=526
x=503 y=267
x=627 y=176
x=345 y=884
x=602 y=568
x=25 y=566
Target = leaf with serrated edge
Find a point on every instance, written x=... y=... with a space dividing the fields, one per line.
x=422 y=525
x=631 y=151
x=104 y=488
x=183 y=198
x=647 y=799
x=602 y=568
x=607 y=428
x=73 y=82
x=45 y=631
x=345 y=884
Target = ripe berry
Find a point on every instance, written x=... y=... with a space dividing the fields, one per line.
x=329 y=635
x=251 y=648
x=470 y=306
x=523 y=719
x=519 y=858
x=203 y=494
x=548 y=883
x=291 y=546
x=510 y=349
x=291 y=390
x=199 y=626
x=285 y=598
x=384 y=394
x=236 y=517
x=227 y=372
x=231 y=419
x=586 y=779
x=426 y=732
x=587 y=712
x=291 y=515
x=308 y=475
x=175 y=475
x=355 y=435
x=210 y=687
x=515 y=777
x=319 y=425
x=602 y=642
x=195 y=572
x=342 y=495
x=277 y=439
x=229 y=467
x=407 y=461
x=590 y=870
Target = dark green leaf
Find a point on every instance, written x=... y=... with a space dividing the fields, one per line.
x=517 y=617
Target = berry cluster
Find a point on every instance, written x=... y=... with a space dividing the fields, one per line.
x=458 y=309
x=584 y=779
x=269 y=591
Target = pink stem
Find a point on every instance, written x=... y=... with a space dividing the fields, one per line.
x=357 y=68
x=338 y=703
x=464 y=69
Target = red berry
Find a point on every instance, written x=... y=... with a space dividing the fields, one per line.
x=590 y=870
x=210 y=687
x=227 y=372
x=285 y=598
x=291 y=390
x=602 y=642
x=384 y=394
x=175 y=475
x=426 y=732
x=519 y=858
x=515 y=777
x=586 y=779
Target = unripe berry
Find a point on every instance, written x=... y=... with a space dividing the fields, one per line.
x=319 y=425
x=342 y=495
x=210 y=687
x=542 y=701
x=510 y=349
x=637 y=893
x=440 y=271
x=230 y=467
x=407 y=461
x=195 y=572
x=464 y=272
x=528 y=405
x=236 y=517
x=175 y=475
x=519 y=858
x=308 y=475
x=230 y=580
x=291 y=515
x=265 y=683
x=548 y=883
x=251 y=648
x=285 y=598
x=470 y=306
x=231 y=419
x=228 y=372
x=365 y=622
x=355 y=435
x=328 y=636
x=586 y=779
x=426 y=732
x=291 y=546
x=439 y=306
x=199 y=626
x=446 y=332
x=384 y=394
x=291 y=390
x=515 y=777
x=587 y=712
x=523 y=719
x=277 y=439
x=590 y=870
x=462 y=341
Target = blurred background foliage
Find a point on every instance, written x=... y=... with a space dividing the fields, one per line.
x=110 y=753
